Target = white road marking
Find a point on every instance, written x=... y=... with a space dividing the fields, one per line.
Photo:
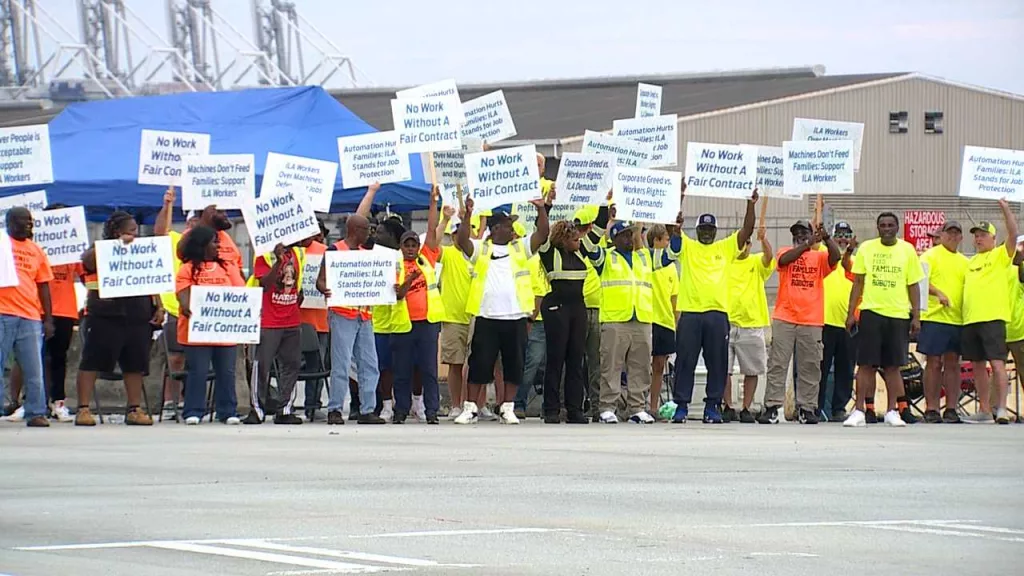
x=977 y=528
x=340 y=567
x=97 y=546
x=790 y=554
x=265 y=545
x=431 y=533
x=937 y=531
x=835 y=524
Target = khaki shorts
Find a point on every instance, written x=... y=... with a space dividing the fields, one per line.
x=747 y=346
x=454 y=343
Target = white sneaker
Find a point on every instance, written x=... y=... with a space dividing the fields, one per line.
x=892 y=418
x=469 y=414
x=454 y=412
x=388 y=411
x=978 y=418
x=508 y=413
x=486 y=415
x=16 y=416
x=608 y=417
x=641 y=417
x=856 y=419
x=192 y=421
x=61 y=412
x=419 y=410
x=233 y=421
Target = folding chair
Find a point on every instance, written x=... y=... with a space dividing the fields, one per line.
x=181 y=377
x=110 y=377
x=912 y=375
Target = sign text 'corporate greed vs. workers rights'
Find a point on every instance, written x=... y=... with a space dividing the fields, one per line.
x=308 y=177
x=628 y=153
x=161 y=152
x=280 y=218
x=818 y=167
x=34 y=201
x=450 y=166
x=488 y=118
x=225 y=315
x=584 y=178
x=361 y=277
x=373 y=157
x=647 y=195
x=658 y=131
x=25 y=156
x=822 y=130
x=992 y=173
x=648 y=100
x=503 y=176
x=226 y=180
x=427 y=124
x=143 y=267
x=62 y=234
x=720 y=170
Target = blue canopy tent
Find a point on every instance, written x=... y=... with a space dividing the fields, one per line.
x=95 y=145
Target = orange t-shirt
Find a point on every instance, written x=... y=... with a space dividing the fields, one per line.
x=362 y=312
x=211 y=274
x=315 y=317
x=226 y=248
x=62 y=290
x=33 y=268
x=801 y=298
x=416 y=297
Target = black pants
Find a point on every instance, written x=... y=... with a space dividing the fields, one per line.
x=697 y=331
x=565 y=328
x=838 y=354
x=55 y=356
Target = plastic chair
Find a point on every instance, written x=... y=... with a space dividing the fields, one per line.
x=309 y=342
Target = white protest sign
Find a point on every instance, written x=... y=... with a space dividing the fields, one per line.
x=647 y=195
x=226 y=180
x=922 y=286
x=488 y=118
x=770 y=164
x=34 y=201
x=822 y=130
x=25 y=156
x=720 y=170
x=278 y=219
x=161 y=153
x=62 y=234
x=528 y=214
x=503 y=176
x=8 y=273
x=450 y=166
x=449 y=197
x=311 y=297
x=648 y=100
x=628 y=153
x=142 y=268
x=818 y=167
x=427 y=124
x=584 y=178
x=992 y=173
x=361 y=277
x=373 y=157
x=658 y=131
x=225 y=315
x=307 y=176
x=439 y=88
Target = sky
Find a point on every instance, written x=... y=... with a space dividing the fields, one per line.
x=406 y=42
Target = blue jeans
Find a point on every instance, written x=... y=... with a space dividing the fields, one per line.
x=696 y=332
x=197 y=360
x=352 y=338
x=25 y=338
x=416 y=349
x=536 y=354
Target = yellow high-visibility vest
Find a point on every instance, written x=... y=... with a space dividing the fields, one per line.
x=481 y=262
x=394 y=318
x=627 y=290
x=300 y=261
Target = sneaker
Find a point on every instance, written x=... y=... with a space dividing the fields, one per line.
x=192 y=421
x=469 y=415
x=746 y=417
x=871 y=417
x=892 y=418
x=486 y=415
x=388 y=411
x=838 y=416
x=84 y=417
x=807 y=417
x=682 y=411
x=908 y=416
x=231 y=421
x=433 y=419
x=856 y=419
x=454 y=412
x=419 y=410
x=641 y=417
x=949 y=416
x=769 y=416
x=38 y=422
x=712 y=415
x=979 y=418
x=287 y=419
x=932 y=417
x=60 y=412
x=137 y=417
x=520 y=413
x=508 y=413
x=608 y=417
x=553 y=418
x=334 y=418
x=16 y=416
x=167 y=411
x=370 y=418
x=253 y=418
x=577 y=419
x=729 y=414
x=1002 y=416
x=397 y=417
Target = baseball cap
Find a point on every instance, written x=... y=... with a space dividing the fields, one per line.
x=409 y=234
x=1020 y=238
x=844 y=226
x=617 y=228
x=500 y=214
x=984 y=227
x=707 y=220
x=950 y=225
x=585 y=215
x=801 y=224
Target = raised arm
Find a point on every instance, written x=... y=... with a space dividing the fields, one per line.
x=163 y=219
x=433 y=239
x=848 y=255
x=833 y=249
x=269 y=280
x=793 y=254
x=366 y=204
x=541 y=229
x=766 y=248
x=1011 y=227
x=748 y=222
x=462 y=239
x=446 y=216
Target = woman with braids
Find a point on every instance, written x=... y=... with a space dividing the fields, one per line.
x=201 y=265
x=118 y=331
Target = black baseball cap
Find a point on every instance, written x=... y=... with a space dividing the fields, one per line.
x=801 y=224
x=949 y=225
x=708 y=220
x=844 y=226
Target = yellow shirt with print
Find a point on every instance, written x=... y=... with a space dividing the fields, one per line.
x=170 y=299
x=888 y=270
x=748 y=304
x=666 y=285
x=986 y=292
x=946 y=271
x=454 y=283
x=1015 y=328
x=704 y=282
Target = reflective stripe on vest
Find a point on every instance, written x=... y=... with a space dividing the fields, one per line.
x=627 y=290
x=558 y=273
x=396 y=318
x=481 y=262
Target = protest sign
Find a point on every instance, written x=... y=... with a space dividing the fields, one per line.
x=225 y=315
x=278 y=219
x=918 y=223
x=440 y=88
x=25 y=156
x=992 y=173
x=770 y=163
x=823 y=130
x=648 y=100
x=584 y=178
x=818 y=167
x=488 y=118
x=62 y=234
x=720 y=170
x=161 y=153
x=658 y=131
x=373 y=157
x=361 y=277
x=922 y=286
x=8 y=273
x=528 y=214
x=450 y=165
x=225 y=180
x=427 y=124
x=309 y=177
x=647 y=195
x=628 y=153
x=311 y=297
x=34 y=201
x=503 y=176
x=142 y=268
